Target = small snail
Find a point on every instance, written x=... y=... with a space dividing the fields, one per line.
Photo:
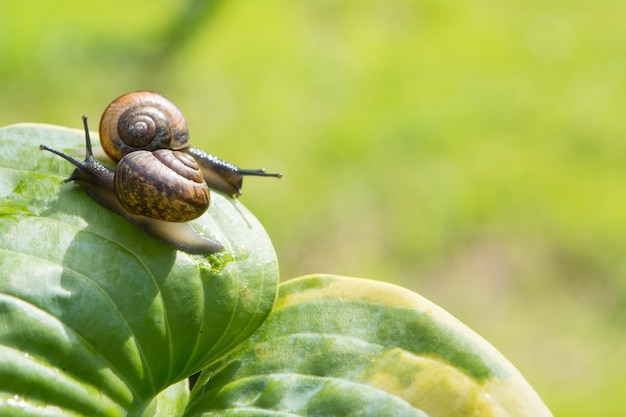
x=144 y=120
x=158 y=189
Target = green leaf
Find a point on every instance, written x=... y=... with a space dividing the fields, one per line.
x=337 y=346
x=96 y=317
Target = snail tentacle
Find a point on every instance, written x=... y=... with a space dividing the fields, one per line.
x=222 y=175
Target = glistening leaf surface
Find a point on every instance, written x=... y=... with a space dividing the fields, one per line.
x=97 y=317
x=337 y=346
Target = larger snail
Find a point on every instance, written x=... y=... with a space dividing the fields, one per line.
x=160 y=183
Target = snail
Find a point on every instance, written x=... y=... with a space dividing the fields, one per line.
x=158 y=189
x=145 y=120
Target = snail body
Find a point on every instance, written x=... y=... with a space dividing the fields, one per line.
x=160 y=182
x=145 y=120
x=156 y=212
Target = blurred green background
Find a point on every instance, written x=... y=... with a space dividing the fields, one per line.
x=474 y=152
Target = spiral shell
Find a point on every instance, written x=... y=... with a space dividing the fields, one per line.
x=164 y=184
x=142 y=120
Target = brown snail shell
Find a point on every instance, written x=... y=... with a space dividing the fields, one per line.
x=164 y=184
x=142 y=120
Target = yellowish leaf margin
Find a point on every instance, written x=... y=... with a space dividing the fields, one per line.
x=436 y=387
